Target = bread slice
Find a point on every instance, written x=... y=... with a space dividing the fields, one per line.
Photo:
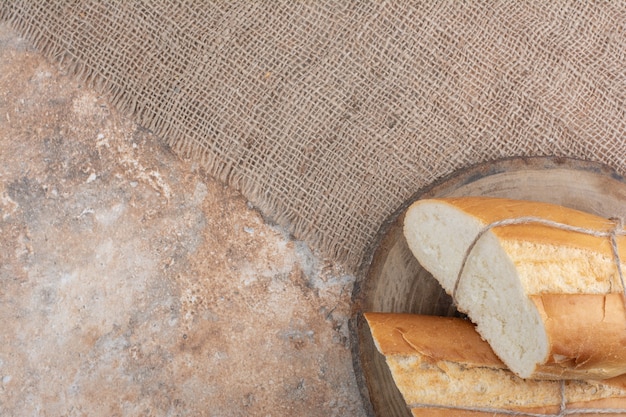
x=543 y=287
x=442 y=366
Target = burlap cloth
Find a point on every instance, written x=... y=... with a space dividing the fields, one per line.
x=329 y=114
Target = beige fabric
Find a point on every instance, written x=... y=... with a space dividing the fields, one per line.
x=329 y=114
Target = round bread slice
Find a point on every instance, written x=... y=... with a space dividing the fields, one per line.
x=541 y=282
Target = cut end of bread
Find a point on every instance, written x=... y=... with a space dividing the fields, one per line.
x=489 y=289
x=490 y=292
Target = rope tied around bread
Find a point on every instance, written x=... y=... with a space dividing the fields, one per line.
x=616 y=230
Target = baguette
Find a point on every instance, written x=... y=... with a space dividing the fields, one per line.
x=544 y=290
x=442 y=366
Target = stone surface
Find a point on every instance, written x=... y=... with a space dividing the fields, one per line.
x=133 y=284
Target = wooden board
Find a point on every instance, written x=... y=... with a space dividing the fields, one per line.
x=391 y=280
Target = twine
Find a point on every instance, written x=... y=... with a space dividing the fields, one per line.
x=611 y=234
x=617 y=230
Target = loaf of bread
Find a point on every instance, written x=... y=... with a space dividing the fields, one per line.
x=442 y=366
x=541 y=282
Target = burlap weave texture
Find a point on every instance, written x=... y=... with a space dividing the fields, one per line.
x=329 y=114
